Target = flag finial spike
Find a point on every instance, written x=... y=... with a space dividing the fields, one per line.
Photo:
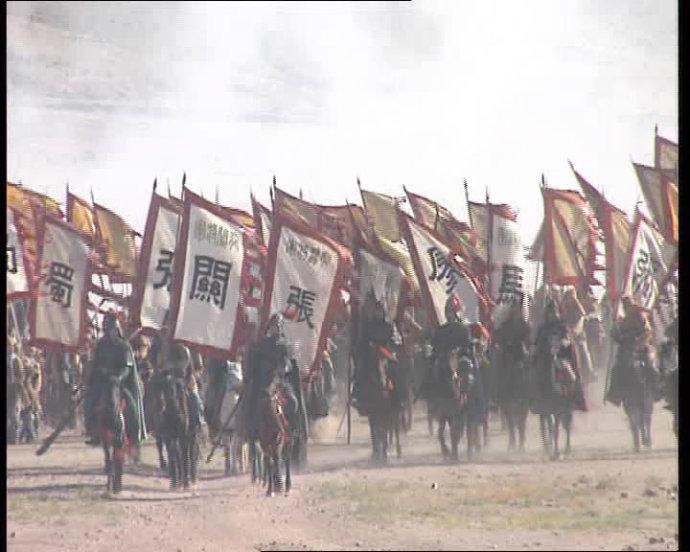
x=571 y=165
x=359 y=184
x=300 y=193
x=184 y=179
x=543 y=181
x=656 y=129
x=155 y=183
x=274 y=180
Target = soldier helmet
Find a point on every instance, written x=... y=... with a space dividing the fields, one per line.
x=276 y=320
x=454 y=308
x=110 y=321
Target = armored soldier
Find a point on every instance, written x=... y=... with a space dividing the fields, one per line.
x=114 y=362
x=271 y=361
x=374 y=331
x=634 y=336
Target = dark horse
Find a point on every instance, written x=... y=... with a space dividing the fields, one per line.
x=112 y=430
x=379 y=398
x=450 y=403
x=561 y=394
x=638 y=388
x=274 y=439
x=512 y=393
x=179 y=431
x=153 y=413
x=668 y=364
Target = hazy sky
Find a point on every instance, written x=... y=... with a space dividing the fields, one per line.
x=423 y=94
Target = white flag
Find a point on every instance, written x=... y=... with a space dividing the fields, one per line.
x=439 y=274
x=507 y=267
x=207 y=278
x=58 y=311
x=156 y=262
x=384 y=278
x=304 y=272
x=647 y=265
x=17 y=276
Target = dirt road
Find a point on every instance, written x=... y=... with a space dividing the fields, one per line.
x=602 y=497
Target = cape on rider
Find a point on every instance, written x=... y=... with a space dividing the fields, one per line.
x=270 y=362
x=114 y=360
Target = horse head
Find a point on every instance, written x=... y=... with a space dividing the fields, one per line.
x=459 y=375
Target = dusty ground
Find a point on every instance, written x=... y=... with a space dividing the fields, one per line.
x=602 y=497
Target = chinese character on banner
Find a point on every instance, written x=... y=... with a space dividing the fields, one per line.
x=442 y=269
x=60 y=284
x=210 y=280
x=510 y=290
x=165 y=266
x=643 y=278
x=301 y=305
x=11 y=260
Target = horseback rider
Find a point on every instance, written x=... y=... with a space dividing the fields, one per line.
x=553 y=333
x=511 y=342
x=455 y=333
x=272 y=362
x=374 y=332
x=114 y=363
x=634 y=336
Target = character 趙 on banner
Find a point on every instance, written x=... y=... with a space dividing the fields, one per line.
x=155 y=275
x=440 y=275
x=207 y=278
x=305 y=274
x=57 y=313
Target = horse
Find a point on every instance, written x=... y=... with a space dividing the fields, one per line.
x=668 y=365
x=449 y=403
x=381 y=404
x=153 y=413
x=512 y=395
x=112 y=430
x=180 y=432
x=558 y=401
x=232 y=439
x=274 y=439
x=638 y=391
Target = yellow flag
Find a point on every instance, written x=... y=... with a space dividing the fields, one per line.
x=382 y=211
x=117 y=240
x=80 y=214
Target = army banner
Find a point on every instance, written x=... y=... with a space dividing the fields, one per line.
x=507 y=267
x=208 y=268
x=381 y=276
x=440 y=274
x=665 y=154
x=262 y=221
x=647 y=265
x=57 y=313
x=18 y=275
x=80 y=215
x=116 y=238
x=304 y=277
x=154 y=281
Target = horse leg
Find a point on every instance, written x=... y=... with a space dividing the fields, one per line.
x=647 y=420
x=522 y=423
x=454 y=438
x=508 y=414
x=429 y=418
x=556 y=423
x=108 y=470
x=118 y=463
x=545 y=425
x=288 y=479
x=567 y=425
x=470 y=438
x=442 y=437
x=398 y=448
x=270 y=471
x=161 y=459
x=194 y=458
x=632 y=420
x=374 y=439
x=173 y=462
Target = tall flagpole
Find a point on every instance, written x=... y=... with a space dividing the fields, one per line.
x=489 y=239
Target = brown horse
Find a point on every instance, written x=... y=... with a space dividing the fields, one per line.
x=275 y=440
x=112 y=430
